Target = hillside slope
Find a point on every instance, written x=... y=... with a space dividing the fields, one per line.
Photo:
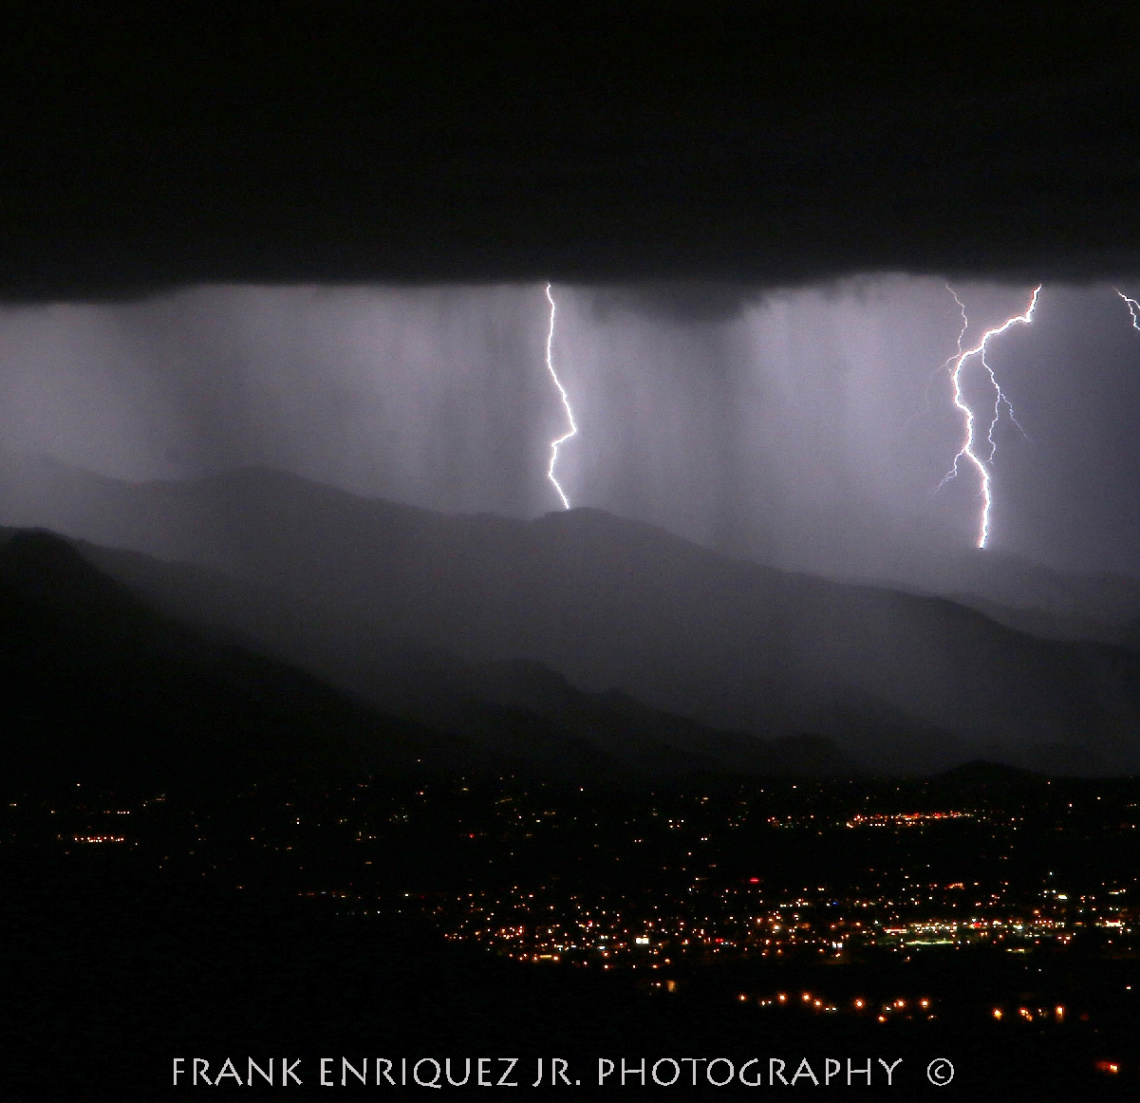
x=612 y=604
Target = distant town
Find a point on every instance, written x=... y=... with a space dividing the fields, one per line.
x=1019 y=882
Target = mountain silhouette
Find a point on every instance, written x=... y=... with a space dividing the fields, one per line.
x=1021 y=594
x=519 y=713
x=106 y=688
x=899 y=680
x=100 y=688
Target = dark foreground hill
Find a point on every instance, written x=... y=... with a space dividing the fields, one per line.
x=517 y=711
x=901 y=681
x=127 y=683
x=99 y=687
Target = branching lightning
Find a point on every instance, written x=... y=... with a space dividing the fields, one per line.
x=970 y=450
x=556 y=444
x=1133 y=308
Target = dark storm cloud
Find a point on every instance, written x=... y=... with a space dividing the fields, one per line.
x=689 y=302
x=588 y=143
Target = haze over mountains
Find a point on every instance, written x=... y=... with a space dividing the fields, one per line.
x=579 y=624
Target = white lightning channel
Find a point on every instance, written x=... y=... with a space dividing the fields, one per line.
x=969 y=449
x=1133 y=308
x=556 y=444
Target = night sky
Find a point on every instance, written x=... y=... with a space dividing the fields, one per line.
x=320 y=243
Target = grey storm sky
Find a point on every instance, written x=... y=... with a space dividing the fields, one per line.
x=809 y=427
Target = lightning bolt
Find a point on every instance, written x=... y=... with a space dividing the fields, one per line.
x=1133 y=308
x=970 y=448
x=556 y=444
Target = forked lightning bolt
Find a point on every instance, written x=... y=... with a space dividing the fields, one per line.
x=556 y=444
x=1133 y=308
x=970 y=448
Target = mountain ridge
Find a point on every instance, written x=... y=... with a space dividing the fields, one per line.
x=103 y=688
x=113 y=687
x=915 y=681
